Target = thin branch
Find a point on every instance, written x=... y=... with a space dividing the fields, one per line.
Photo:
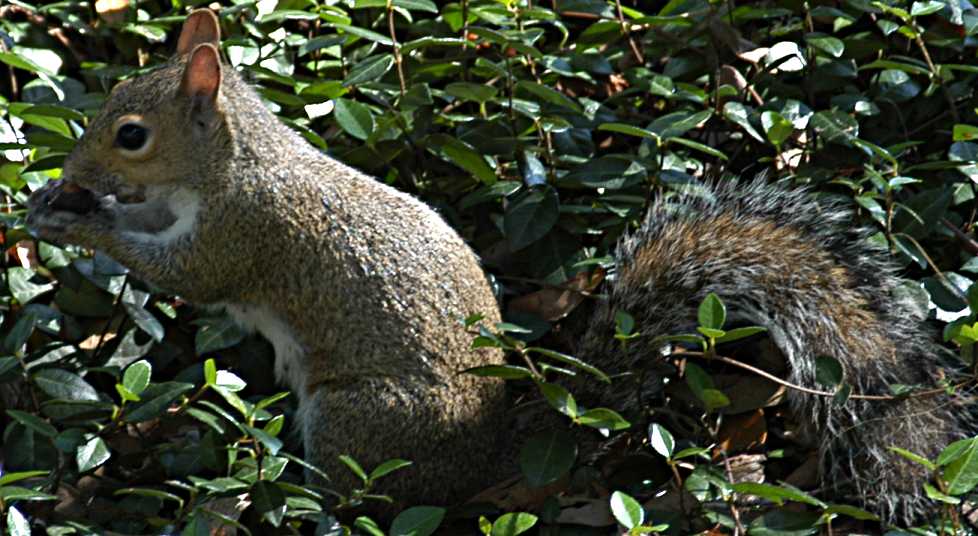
x=734 y=512
x=398 y=60
x=628 y=34
x=967 y=242
x=937 y=271
x=816 y=392
x=937 y=78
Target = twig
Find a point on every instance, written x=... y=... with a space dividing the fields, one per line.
x=115 y=309
x=816 y=392
x=967 y=242
x=580 y=15
x=734 y=512
x=628 y=34
x=937 y=271
x=465 y=39
x=937 y=78
x=398 y=60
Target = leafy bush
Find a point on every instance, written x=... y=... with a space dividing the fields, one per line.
x=540 y=130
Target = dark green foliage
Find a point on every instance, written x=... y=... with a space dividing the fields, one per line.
x=540 y=130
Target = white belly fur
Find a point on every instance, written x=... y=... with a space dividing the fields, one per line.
x=289 y=353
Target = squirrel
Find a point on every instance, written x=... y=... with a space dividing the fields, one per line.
x=190 y=181
x=795 y=266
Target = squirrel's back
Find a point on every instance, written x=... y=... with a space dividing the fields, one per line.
x=794 y=264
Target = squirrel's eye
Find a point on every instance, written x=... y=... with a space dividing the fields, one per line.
x=133 y=140
x=131 y=136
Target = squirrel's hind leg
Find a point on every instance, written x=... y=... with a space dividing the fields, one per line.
x=373 y=420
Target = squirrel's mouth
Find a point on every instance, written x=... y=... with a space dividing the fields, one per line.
x=69 y=196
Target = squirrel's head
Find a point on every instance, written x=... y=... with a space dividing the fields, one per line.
x=165 y=127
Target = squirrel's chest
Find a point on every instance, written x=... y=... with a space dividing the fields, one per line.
x=289 y=352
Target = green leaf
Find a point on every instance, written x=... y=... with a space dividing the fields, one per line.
x=714 y=399
x=365 y=33
x=777 y=128
x=711 y=333
x=470 y=91
x=835 y=126
x=550 y=95
x=603 y=419
x=712 y=313
x=368 y=525
x=464 y=156
x=485 y=527
x=417 y=521
x=16 y=338
x=781 y=522
x=354 y=466
x=54 y=110
x=828 y=371
x=416 y=5
x=624 y=323
x=210 y=372
x=702 y=386
x=93 y=453
x=961 y=474
x=269 y=501
x=34 y=423
x=9 y=494
x=513 y=523
x=21 y=286
x=146 y=321
x=676 y=124
x=206 y=418
x=354 y=118
x=661 y=440
x=272 y=444
x=531 y=217
x=965 y=132
x=10 y=478
x=738 y=113
x=935 y=494
x=547 y=456
x=136 y=377
x=627 y=511
x=570 y=360
x=154 y=400
x=699 y=147
x=388 y=467
x=777 y=494
x=216 y=333
x=369 y=70
x=559 y=398
x=65 y=385
x=831 y=46
x=740 y=333
x=852 y=511
x=17 y=524
x=630 y=130
x=153 y=34
x=229 y=380
x=148 y=492
x=919 y=9
x=14 y=60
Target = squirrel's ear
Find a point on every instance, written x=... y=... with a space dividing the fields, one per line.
x=202 y=75
x=200 y=27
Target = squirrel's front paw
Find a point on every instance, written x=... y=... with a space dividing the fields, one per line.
x=65 y=212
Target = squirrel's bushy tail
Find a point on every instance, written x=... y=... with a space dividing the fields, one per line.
x=781 y=259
